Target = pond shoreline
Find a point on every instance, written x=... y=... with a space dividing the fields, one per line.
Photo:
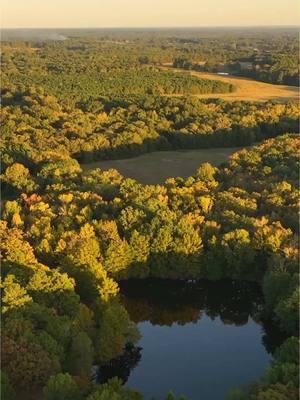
x=193 y=330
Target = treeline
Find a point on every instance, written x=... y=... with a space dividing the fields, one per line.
x=271 y=54
x=37 y=127
x=278 y=68
x=70 y=235
x=134 y=81
x=272 y=68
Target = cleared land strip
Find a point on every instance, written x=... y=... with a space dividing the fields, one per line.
x=247 y=89
x=156 y=167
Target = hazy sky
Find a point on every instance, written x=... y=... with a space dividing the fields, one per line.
x=148 y=13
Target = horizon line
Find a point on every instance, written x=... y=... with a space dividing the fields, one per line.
x=152 y=27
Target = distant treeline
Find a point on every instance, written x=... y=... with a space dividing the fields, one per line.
x=280 y=69
x=70 y=73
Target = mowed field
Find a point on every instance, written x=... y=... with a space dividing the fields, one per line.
x=247 y=89
x=156 y=167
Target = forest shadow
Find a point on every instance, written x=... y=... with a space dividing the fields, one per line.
x=236 y=136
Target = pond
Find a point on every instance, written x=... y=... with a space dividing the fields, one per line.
x=199 y=339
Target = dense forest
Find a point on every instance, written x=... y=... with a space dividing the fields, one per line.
x=98 y=129
x=93 y=228
x=69 y=235
x=69 y=70
x=268 y=55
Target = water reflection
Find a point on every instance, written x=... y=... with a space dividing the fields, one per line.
x=193 y=335
x=121 y=366
x=165 y=302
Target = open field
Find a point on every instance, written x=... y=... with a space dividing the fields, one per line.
x=247 y=89
x=156 y=167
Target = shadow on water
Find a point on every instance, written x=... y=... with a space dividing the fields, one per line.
x=164 y=302
x=120 y=367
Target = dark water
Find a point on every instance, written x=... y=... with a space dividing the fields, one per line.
x=198 y=339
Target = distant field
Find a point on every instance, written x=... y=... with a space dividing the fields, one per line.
x=156 y=167
x=248 y=89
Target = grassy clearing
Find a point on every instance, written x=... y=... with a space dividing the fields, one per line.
x=248 y=89
x=156 y=167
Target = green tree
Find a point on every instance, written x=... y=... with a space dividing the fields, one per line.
x=236 y=394
x=287 y=312
x=206 y=172
x=288 y=352
x=7 y=390
x=18 y=177
x=26 y=363
x=238 y=253
x=118 y=256
x=57 y=171
x=278 y=392
x=62 y=387
x=114 y=332
x=285 y=373
x=14 y=295
x=80 y=357
x=114 y=390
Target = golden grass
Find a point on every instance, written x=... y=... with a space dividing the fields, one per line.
x=247 y=89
